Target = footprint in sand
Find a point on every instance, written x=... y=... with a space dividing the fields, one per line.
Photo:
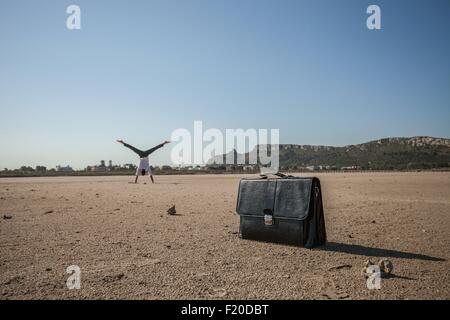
x=331 y=291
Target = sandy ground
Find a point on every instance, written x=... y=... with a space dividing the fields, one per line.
x=127 y=247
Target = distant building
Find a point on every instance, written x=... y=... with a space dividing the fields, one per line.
x=351 y=168
x=41 y=169
x=64 y=168
x=110 y=164
x=129 y=166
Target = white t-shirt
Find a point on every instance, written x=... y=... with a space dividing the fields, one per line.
x=144 y=164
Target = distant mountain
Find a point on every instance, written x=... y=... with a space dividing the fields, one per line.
x=383 y=154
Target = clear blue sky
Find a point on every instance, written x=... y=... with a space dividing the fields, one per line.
x=137 y=70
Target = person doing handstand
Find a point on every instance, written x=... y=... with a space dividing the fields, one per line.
x=144 y=165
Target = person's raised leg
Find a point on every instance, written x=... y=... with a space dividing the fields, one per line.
x=136 y=150
x=150 y=151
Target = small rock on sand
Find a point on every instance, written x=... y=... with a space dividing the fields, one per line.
x=365 y=270
x=171 y=211
x=7 y=216
x=49 y=211
x=386 y=266
x=368 y=263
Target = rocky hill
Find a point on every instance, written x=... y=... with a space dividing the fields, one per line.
x=383 y=154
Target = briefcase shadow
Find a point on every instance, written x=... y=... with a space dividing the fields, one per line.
x=375 y=252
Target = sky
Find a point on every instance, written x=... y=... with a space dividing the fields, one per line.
x=138 y=70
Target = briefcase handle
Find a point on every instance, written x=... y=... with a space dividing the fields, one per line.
x=278 y=174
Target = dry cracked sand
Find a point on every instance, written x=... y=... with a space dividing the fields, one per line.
x=128 y=247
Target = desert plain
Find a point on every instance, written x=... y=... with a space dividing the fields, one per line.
x=128 y=247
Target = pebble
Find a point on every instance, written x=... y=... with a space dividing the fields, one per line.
x=172 y=211
x=386 y=266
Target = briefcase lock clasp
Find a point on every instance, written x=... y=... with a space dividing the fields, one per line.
x=268 y=217
x=268 y=220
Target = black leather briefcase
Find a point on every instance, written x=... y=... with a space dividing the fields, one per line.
x=284 y=210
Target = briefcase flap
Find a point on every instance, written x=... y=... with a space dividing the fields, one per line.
x=283 y=198
x=292 y=198
x=255 y=197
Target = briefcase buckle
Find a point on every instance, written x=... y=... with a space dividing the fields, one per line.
x=268 y=220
